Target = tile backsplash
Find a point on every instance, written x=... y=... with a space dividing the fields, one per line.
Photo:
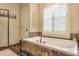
x=32 y=34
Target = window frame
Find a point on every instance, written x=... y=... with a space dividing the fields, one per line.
x=67 y=23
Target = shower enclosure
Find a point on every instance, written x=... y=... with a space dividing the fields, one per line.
x=4 y=28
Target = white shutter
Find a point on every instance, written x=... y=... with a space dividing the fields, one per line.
x=60 y=18
x=47 y=21
x=60 y=24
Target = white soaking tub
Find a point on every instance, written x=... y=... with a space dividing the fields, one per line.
x=62 y=45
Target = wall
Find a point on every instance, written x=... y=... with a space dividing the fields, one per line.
x=14 y=23
x=34 y=20
x=74 y=18
x=25 y=20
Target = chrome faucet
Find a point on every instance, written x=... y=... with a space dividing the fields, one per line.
x=41 y=40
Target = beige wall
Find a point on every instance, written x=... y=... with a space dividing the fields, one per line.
x=14 y=23
x=34 y=18
x=74 y=18
x=25 y=20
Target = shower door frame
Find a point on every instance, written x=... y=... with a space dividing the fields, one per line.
x=7 y=24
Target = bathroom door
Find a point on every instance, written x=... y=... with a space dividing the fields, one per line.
x=3 y=28
x=25 y=20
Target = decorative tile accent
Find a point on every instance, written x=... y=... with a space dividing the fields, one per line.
x=32 y=34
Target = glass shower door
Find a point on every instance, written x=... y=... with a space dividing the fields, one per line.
x=3 y=28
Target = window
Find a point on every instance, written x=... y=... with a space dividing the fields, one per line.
x=55 y=19
x=47 y=21
x=60 y=24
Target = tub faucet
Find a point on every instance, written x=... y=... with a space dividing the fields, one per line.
x=41 y=40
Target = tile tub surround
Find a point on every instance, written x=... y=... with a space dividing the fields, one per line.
x=33 y=44
x=76 y=35
x=36 y=50
x=33 y=34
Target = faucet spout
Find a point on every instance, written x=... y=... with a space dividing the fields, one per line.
x=40 y=39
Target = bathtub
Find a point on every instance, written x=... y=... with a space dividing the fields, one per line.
x=62 y=45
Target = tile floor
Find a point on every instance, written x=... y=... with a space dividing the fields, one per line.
x=7 y=52
x=16 y=49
